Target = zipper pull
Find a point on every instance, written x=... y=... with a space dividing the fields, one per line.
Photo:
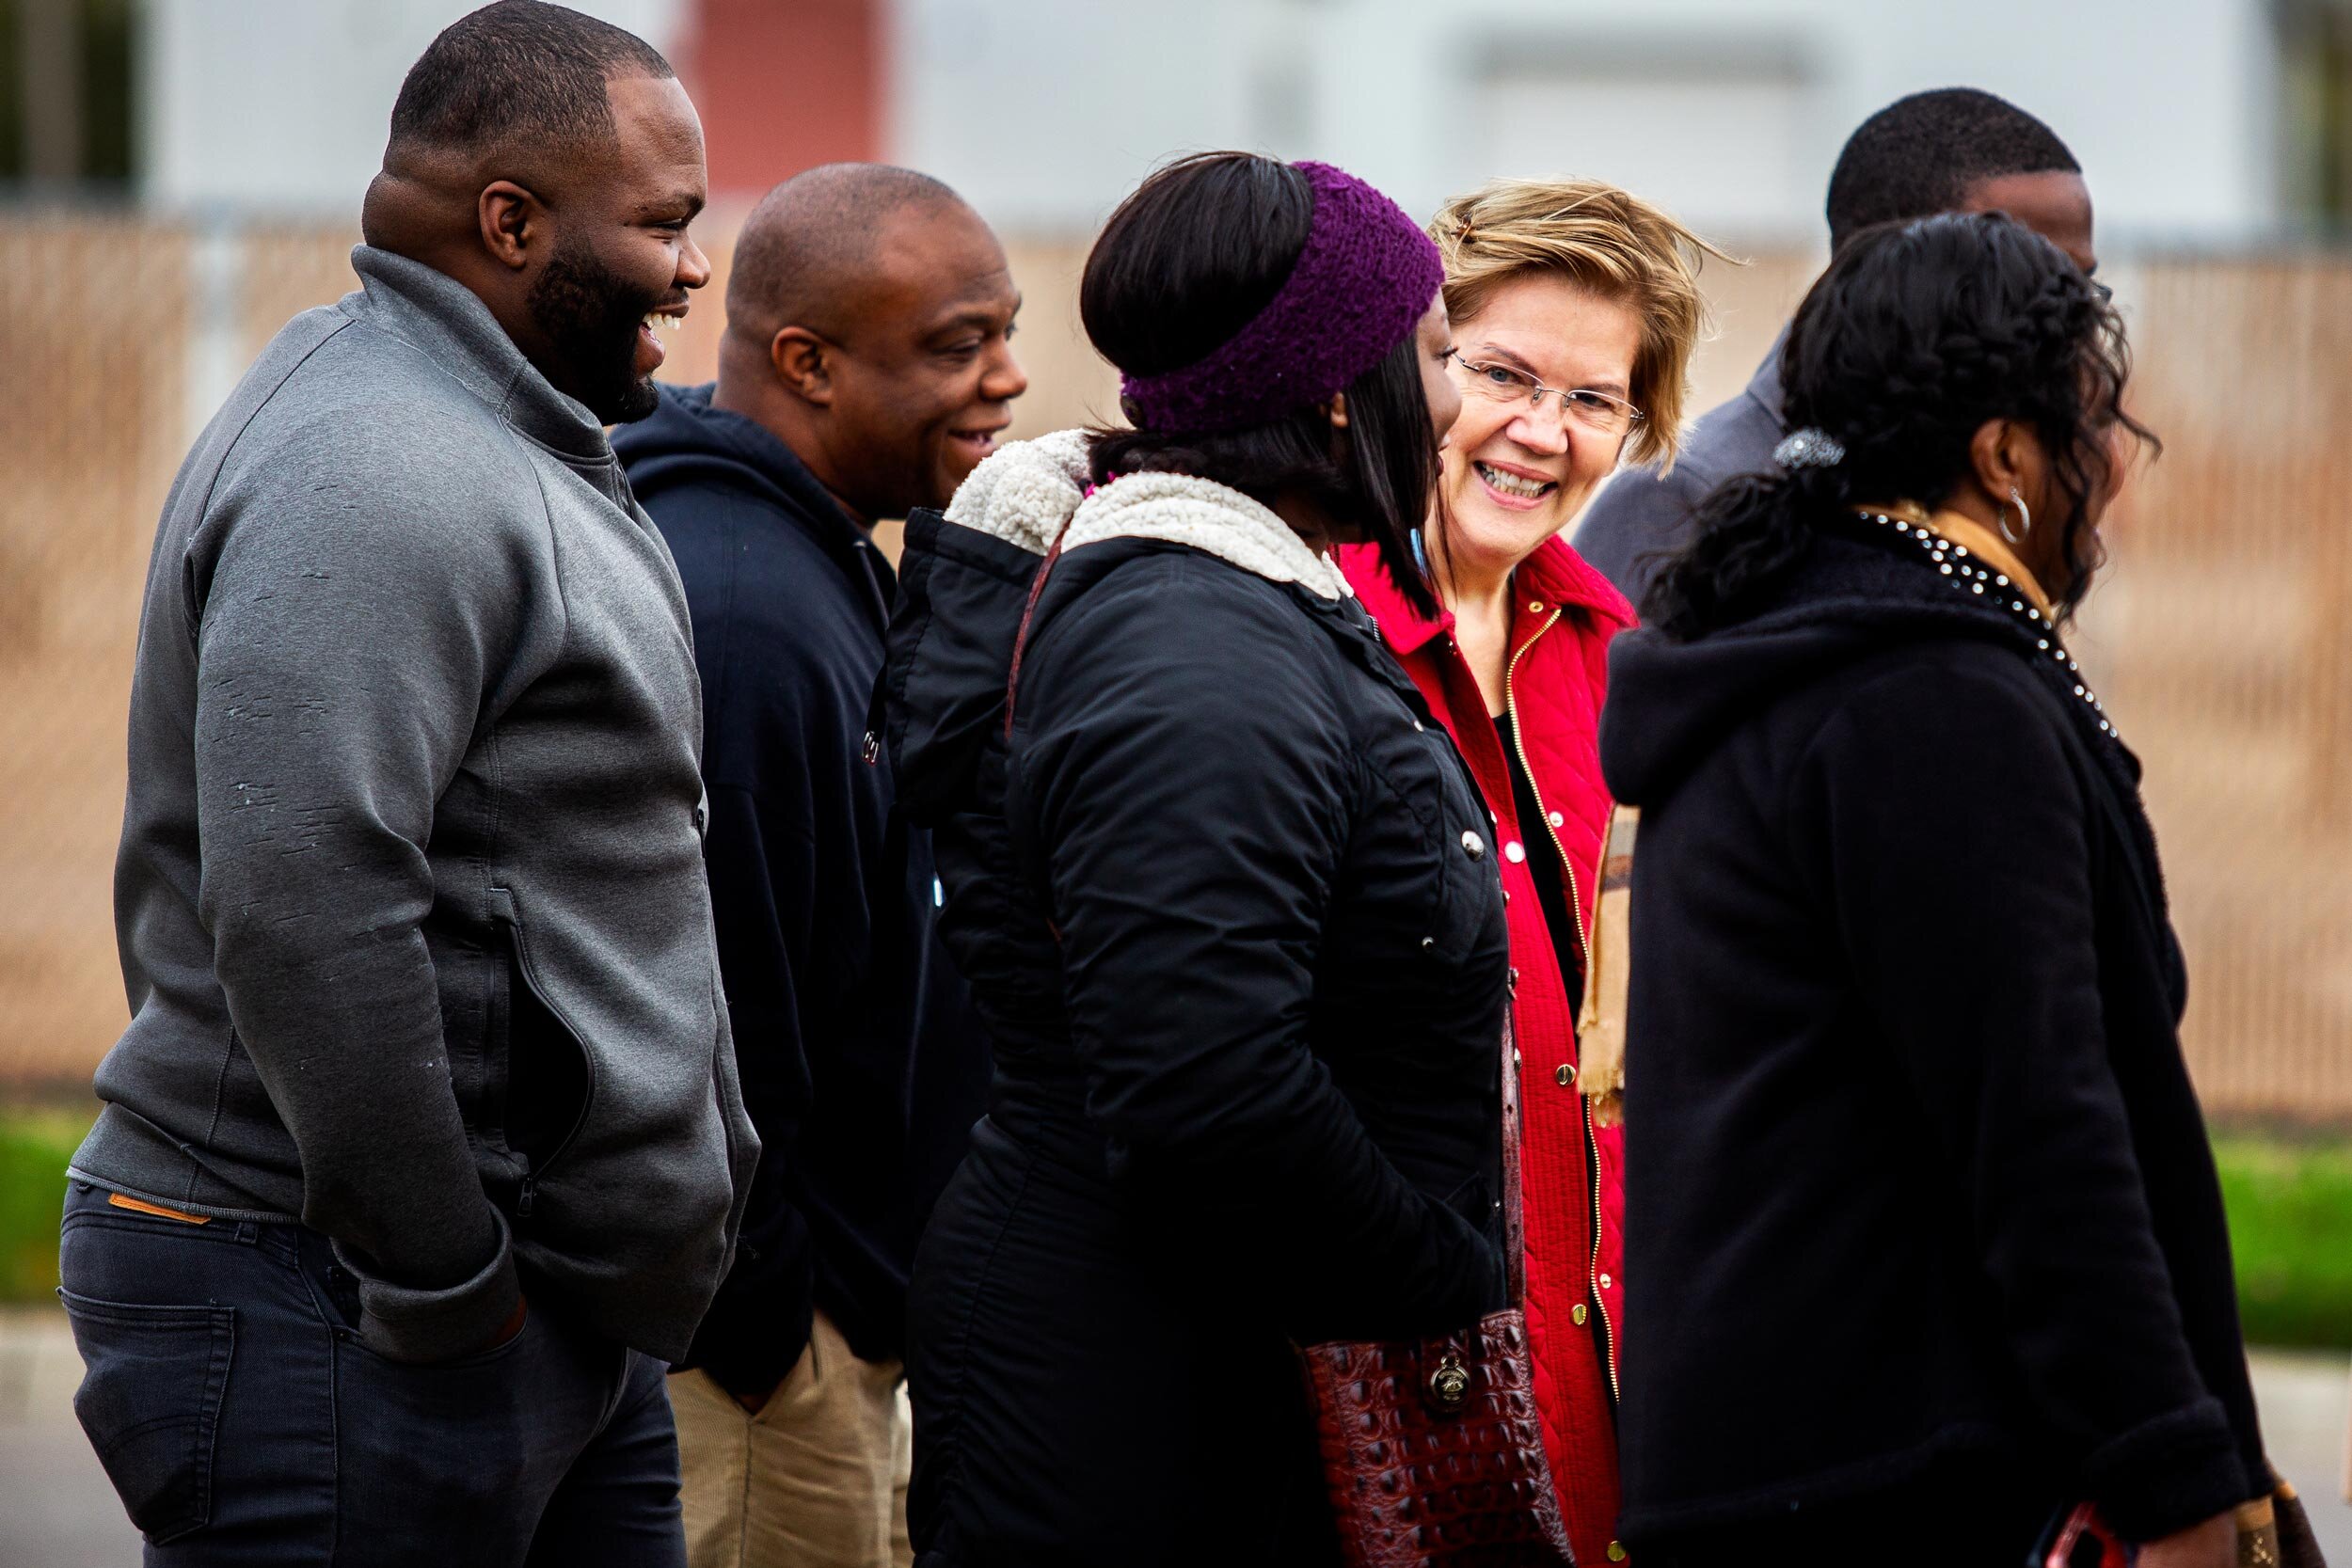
x=530 y=1194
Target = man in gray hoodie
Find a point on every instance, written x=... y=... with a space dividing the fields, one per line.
x=426 y=1015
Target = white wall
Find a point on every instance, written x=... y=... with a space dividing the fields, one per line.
x=282 y=105
x=1045 y=112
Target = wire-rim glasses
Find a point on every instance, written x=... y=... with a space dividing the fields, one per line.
x=1600 y=411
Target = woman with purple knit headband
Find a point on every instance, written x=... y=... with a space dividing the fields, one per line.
x=1225 y=894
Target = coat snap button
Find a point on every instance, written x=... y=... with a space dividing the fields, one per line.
x=1616 y=1551
x=1576 y=1314
x=1566 y=1074
x=1606 y=1282
x=1558 y=820
x=1472 y=844
x=1513 y=852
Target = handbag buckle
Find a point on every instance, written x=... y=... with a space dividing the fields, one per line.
x=1450 y=1384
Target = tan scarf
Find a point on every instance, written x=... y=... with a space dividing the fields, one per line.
x=1600 y=1069
x=1978 y=540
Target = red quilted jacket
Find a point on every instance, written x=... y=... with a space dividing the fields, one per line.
x=1572 y=1171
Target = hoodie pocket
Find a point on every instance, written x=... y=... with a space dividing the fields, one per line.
x=550 y=1077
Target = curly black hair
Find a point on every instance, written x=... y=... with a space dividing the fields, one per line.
x=1918 y=334
x=1920 y=154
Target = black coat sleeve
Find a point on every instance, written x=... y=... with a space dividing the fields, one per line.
x=1955 y=844
x=1191 y=788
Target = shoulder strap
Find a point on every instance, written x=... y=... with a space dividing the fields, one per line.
x=1514 y=1222
x=1021 y=637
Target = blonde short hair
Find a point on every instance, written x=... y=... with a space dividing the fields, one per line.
x=1606 y=240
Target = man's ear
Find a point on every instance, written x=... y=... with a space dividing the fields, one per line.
x=512 y=220
x=804 y=363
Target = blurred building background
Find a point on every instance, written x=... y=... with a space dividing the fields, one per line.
x=2205 y=121
x=177 y=177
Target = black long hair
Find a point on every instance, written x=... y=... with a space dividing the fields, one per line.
x=1188 y=259
x=1917 y=334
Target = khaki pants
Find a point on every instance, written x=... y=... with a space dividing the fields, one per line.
x=816 y=1480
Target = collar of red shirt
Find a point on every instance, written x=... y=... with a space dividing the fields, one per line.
x=1555 y=574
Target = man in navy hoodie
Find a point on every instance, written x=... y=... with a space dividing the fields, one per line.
x=866 y=369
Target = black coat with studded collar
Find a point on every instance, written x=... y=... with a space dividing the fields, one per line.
x=1918 y=1198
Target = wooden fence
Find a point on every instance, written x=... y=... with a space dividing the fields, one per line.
x=2221 y=638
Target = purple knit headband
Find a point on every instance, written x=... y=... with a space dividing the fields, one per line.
x=1360 y=282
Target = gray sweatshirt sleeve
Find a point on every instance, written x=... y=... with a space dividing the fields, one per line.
x=355 y=598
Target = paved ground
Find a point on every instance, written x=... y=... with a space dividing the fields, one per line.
x=2303 y=1397
x=57 y=1510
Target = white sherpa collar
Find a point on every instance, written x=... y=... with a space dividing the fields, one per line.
x=1027 y=492
x=1022 y=493
x=1184 y=508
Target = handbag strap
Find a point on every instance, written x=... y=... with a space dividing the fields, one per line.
x=1021 y=637
x=1514 y=1223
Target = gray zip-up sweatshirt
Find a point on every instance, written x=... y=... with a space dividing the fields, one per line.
x=410 y=896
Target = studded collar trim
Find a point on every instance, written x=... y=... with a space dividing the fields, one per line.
x=1958 y=528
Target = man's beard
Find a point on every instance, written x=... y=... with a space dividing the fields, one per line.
x=589 y=316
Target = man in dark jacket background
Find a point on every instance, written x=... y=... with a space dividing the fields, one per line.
x=866 y=369
x=1954 y=150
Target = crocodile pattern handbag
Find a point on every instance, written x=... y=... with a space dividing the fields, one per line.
x=1431 y=1450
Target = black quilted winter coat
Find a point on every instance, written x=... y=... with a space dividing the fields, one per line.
x=1229 y=906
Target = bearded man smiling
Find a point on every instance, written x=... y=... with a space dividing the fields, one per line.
x=425 y=997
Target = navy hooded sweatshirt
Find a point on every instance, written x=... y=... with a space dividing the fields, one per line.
x=862 y=1065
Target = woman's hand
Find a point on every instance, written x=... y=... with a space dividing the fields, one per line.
x=2211 y=1544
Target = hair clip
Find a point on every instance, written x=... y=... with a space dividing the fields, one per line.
x=1808 y=449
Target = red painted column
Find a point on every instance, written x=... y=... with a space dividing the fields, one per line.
x=782 y=86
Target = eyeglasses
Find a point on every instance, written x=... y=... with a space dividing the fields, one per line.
x=1602 y=412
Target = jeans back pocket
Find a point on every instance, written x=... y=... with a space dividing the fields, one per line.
x=154 y=1379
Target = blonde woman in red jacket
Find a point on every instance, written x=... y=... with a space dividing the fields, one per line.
x=1575 y=307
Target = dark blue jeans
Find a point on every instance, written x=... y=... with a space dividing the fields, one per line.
x=243 y=1422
